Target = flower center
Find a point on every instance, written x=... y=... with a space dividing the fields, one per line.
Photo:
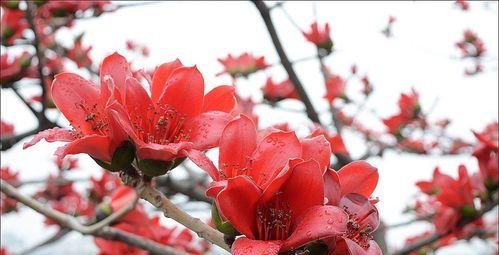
x=356 y=231
x=274 y=220
x=163 y=125
x=93 y=117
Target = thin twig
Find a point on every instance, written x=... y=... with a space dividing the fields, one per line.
x=170 y=210
x=265 y=13
x=56 y=237
x=435 y=237
x=408 y=222
x=99 y=229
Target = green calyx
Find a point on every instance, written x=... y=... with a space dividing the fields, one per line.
x=122 y=158
x=153 y=168
x=223 y=226
x=468 y=211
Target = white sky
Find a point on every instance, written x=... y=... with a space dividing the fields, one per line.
x=421 y=54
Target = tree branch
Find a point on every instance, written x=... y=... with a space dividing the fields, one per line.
x=435 y=237
x=99 y=229
x=288 y=66
x=170 y=210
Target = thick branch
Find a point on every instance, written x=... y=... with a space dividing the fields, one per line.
x=170 y=210
x=286 y=63
x=435 y=237
x=99 y=229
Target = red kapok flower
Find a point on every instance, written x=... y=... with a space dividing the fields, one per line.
x=486 y=152
x=277 y=203
x=350 y=189
x=319 y=37
x=14 y=69
x=13 y=25
x=7 y=129
x=242 y=65
x=8 y=204
x=87 y=110
x=176 y=117
x=275 y=92
x=335 y=88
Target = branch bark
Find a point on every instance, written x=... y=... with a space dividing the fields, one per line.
x=99 y=229
x=170 y=210
x=435 y=237
x=286 y=63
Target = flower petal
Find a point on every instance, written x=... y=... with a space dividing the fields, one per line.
x=136 y=100
x=184 y=91
x=245 y=246
x=358 y=177
x=272 y=153
x=348 y=246
x=332 y=187
x=117 y=67
x=214 y=188
x=76 y=98
x=160 y=77
x=51 y=135
x=304 y=188
x=164 y=152
x=318 y=222
x=317 y=148
x=237 y=143
x=360 y=206
x=237 y=203
x=96 y=146
x=204 y=130
x=220 y=98
x=203 y=162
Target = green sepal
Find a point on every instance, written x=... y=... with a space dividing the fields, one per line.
x=223 y=226
x=123 y=156
x=103 y=164
x=12 y=4
x=153 y=168
x=316 y=248
x=468 y=211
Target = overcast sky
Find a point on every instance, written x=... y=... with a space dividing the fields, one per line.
x=421 y=54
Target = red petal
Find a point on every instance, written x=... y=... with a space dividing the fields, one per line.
x=163 y=152
x=272 y=153
x=160 y=77
x=203 y=162
x=360 y=206
x=279 y=180
x=215 y=187
x=348 y=246
x=445 y=219
x=304 y=188
x=317 y=223
x=118 y=68
x=71 y=94
x=332 y=187
x=184 y=91
x=245 y=246
x=237 y=143
x=318 y=149
x=358 y=177
x=220 y=98
x=51 y=135
x=136 y=100
x=237 y=203
x=122 y=197
x=205 y=129
x=94 y=145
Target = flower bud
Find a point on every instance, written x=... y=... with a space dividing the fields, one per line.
x=103 y=211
